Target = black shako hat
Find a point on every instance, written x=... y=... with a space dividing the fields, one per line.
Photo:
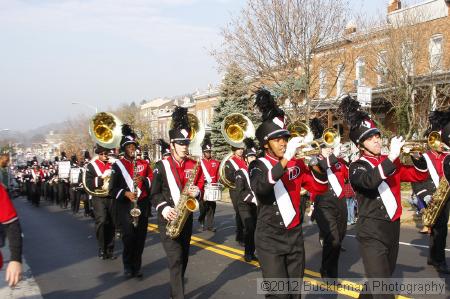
x=440 y=122
x=273 y=120
x=360 y=123
x=128 y=137
x=180 y=131
x=206 y=144
x=164 y=147
x=87 y=156
x=250 y=147
x=100 y=149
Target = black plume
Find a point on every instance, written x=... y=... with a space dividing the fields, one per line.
x=438 y=119
x=87 y=155
x=128 y=131
x=249 y=143
x=316 y=127
x=267 y=105
x=349 y=108
x=162 y=143
x=73 y=159
x=180 y=118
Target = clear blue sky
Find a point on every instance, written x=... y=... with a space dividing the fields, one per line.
x=107 y=52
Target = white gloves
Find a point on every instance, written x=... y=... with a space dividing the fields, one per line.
x=291 y=147
x=395 y=147
x=106 y=173
x=194 y=191
x=427 y=199
x=165 y=212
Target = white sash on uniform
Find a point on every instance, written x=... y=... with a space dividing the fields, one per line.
x=128 y=178
x=282 y=197
x=433 y=173
x=205 y=172
x=173 y=186
x=248 y=181
x=388 y=198
x=334 y=182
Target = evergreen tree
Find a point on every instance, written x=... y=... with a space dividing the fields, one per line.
x=234 y=97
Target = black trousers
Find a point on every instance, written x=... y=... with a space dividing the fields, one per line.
x=331 y=217
x=75 y=197
x=87 y=203
x=247 y=211
x=35 y=193
x=378 y=242
x=207 y=211
x=55 y=198
x=239 y=226
x=438 y=237
x=63 y=194
x=133 y=238
x=281 y=253
x=104 y=226
x=177 y=251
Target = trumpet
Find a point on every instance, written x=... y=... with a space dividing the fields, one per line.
x=433 y=142
x=330 y=138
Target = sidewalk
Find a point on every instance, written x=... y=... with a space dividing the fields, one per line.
x=27 y=288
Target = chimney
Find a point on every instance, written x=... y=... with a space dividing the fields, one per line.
x=394 y=5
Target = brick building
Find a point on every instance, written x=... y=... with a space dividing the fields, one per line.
x=411 y=49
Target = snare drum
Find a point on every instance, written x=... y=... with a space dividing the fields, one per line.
x=213 y=192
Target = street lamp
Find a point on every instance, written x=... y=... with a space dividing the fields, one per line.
x=87 y=105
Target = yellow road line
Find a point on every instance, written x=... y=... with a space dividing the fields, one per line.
x=237 y=254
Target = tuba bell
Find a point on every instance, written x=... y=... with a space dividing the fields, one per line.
x=197 y=132
x=105 y=129
x=235 y=128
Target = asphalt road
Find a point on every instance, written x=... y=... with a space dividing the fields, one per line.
x=60 y=249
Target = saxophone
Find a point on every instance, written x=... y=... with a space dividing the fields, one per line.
x=186 y=205
x=439 y=199
x=135 y=212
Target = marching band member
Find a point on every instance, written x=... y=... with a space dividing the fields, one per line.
x=74 y=184
x=438 y=163
x=84 y=197
x=37 y=177
x=247 y=204
x=63 y=185
x=210 y=169
x=376 y=180
x=96 y=171
x=330 y=208
x=10 y=227
x=277 y=179
x=233 y=164
x=131 y=182
x=170 y=177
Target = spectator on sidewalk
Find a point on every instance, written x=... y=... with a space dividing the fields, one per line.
x=349 y=196
x=10 y=228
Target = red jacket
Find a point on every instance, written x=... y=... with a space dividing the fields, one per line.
x=212 y=166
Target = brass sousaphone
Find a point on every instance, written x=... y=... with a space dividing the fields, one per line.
x=235 y=128
x=105 y=129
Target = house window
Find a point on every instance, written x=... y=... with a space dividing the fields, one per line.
x=382 y=69
x=360 y=71
x=407 y=58
x=435 y=52
x=322 y=84
x=340 y=80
